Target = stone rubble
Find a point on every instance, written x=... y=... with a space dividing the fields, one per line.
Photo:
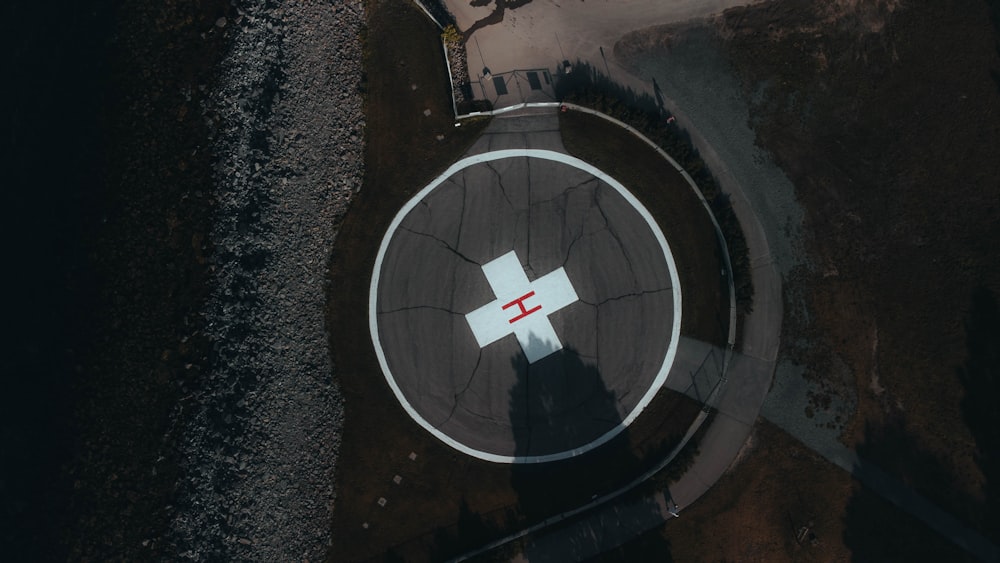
x=259 y=433
x=457 y=61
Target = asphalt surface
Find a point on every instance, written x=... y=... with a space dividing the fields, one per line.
x=618 y=339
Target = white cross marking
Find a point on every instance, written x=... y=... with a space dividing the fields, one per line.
x=517 y=301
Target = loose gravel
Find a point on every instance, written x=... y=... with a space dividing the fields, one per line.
x=259 y=432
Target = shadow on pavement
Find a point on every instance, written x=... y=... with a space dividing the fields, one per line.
x=495 y=17
x=557 y=403
x=564 y=398
x=561 y=399
x=587 y=82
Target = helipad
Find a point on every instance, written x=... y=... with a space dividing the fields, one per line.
x=524 y=306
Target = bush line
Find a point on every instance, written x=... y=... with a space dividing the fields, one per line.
x=587 y=87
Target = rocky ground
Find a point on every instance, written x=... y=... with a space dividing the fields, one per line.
x=180 y=172
x=260 y=429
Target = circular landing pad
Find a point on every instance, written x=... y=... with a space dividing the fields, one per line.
x=524 y=306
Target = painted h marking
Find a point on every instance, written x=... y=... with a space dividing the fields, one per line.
x=534 y=333
x=520 y=303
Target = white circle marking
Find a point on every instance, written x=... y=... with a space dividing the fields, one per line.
x=668 y=360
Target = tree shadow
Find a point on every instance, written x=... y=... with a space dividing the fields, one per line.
x=994 y=7
x=980 y=376
x=587 y=82
x=876 y=531
x=495 y=17
x=470 y=531
x=559 y=404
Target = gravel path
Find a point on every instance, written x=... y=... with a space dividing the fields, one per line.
x=259 y=435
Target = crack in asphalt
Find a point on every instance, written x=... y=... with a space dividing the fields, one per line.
x=569 y=249
x=614 y=235
x=477 y=415
x=626 y=295
x=430 y=210
x=576 y=239
x=607 y=419
x=458 y=244
x=597 y=338
x=458 y=396
x=565 y=192
x=503 y=189
x=451 y=180
x=442 y=243
x=572 y=243
x=414 y=307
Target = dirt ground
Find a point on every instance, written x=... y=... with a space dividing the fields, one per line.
x=886 y=117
